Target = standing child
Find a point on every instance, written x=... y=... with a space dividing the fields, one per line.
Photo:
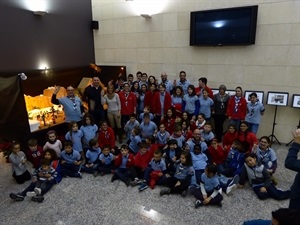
x=135 y=140
x=209 y=192
x=92 y=155
x=70 y=161
x=18 y=160
x=130 y=124
x=53 y=143
x=74 y=135
x=162 y=136
x=34 y=153
x=106 y=159
x=148 y=128
x=88 y=129
x=180 y=182
x=206 y=104
x=260 y=180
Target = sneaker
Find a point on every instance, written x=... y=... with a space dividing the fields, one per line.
x=37 y=198
x=274 y=180
x=220 y=204
x=95 y=174
x=165 y=191
x=79 y=175
x=17 y=197
x=102 y=174
x=184 y=193
x=235 y=180
x=229 y=189
x=198 y=203
x=135 y=182
x=113 y=178
x=143 y=186
x=38 y=191
x=127 y=182
x=30 y=193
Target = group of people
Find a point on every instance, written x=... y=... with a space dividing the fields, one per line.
x=174 y=137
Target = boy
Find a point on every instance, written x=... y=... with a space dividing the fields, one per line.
x=123 y=162
x=207 y=135
x=130 y=124
x=162 y=136
x=70 y=161
x=148 y=128
x=92 y=155
x=135 y=140
x=171 y=155
x=154 y=173
x=177 y=135
x=146 y=110
x=106 y=159
x=199 y=163
x=34 y=153
x=209 y=192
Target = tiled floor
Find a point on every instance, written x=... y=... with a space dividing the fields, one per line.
x=98 y=201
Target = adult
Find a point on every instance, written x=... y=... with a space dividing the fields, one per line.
x=144 y=79
x=73 y=107
x=244 y=135
x=183 y=83
x=138 y=76
x=293 y=163
x=165 y=81
x=92 y=94
x=196 y=140
x=255 y=109
x=221 y=100
x=237 y=108
x=203 y=86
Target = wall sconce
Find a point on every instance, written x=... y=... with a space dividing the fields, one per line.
x=146 y=16
x=40 y=13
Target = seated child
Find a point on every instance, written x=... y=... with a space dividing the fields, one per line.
x=180 y=182
x=123 y=162
x=130 y=124
x=74 y=135
x=206 y=134
x=135 y=140
x=209 y=192
x=229 y=136
x=70 y=161
x=186 y=131
x=199 y=160
x=177 y=135
x=154 y=173
x=53 y=142
x=148 y=128
x=260 y=180
x=106 y=159
x=34 y=153
x=18 y=160
x=199 y=123
x=92 y=154
x=172 y=155
x=162 y=136
x=216 y=153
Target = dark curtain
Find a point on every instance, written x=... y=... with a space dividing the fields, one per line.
x=13 y=115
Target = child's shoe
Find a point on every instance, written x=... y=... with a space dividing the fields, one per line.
x=135 y=182
x=95 y=174
x=165 y=191
x=143 y=186
x=30 y=193
x=113 y=178
x=17 y=197
x=184 y=193
x=37 y=198
x=38 y=191
x=79 y=175
x=198 y=203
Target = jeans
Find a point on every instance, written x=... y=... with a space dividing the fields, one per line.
x=236 y=123
x=198 y=195
x=253 y=127
x=45 y=186
x=70 y=170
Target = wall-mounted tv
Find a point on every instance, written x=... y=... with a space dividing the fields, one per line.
x=229 y=26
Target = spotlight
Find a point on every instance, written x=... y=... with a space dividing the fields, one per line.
x=22 y=76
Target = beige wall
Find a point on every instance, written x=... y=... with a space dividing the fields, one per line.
x=162 y=44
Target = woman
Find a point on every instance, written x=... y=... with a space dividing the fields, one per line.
x=152 y=80
x=245 y=135
x=237 y=108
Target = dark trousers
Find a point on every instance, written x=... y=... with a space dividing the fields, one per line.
x=294 y=203
x=219 y=120
x=92 y=169
x=122 y=174
x=106 y=168
x=198 y=195
x=98 y=115
x=171 y=182
x=23 y=177
x=45 y=186
x=198 y=174
x=137 y=172
x=272 y=192
x=70 y=170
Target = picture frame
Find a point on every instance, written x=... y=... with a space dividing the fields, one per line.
x=215 y=91
x=296 y=101
x=260 y=95
x=230 y=92
x=277 y=98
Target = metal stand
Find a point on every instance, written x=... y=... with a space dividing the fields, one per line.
x=293 y=140
x=274 y=124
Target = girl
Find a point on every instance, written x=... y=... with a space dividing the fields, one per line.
x=199 y=123
x=53 y=143
x=169 y=121
x=260 y=180
x=206 y=104
x=177 y=99
x=140 y=103
x=245 y=135
x=186 y=131
x=216 y=153
x=229 y=136
x=255 y=109
x=88 y=129
x=181 y=180
x=74 y=135
x=191 y=102
x=106 y=136
x=18 y=160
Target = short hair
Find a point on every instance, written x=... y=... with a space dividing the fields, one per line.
x=212 y=168
x=182 y=72
x=45 y=162
x=222 y=87
x=158 y=152
x=51 y=132
x=250 y=154
x=177 y=128
x=146 y=116
x=103 y=122
x=138 y=72
x=147 y=107
x=124 y=147
x=203 y=80
x=253 y=94
x=172 y=142
x=201 y=114
x=130 y=75
x=198 y=147
x=285 y=216
x=106 y=147
x=93 y=142
x=132 y=116
x=32 y=142
x=143 y=145
x=137 y=130
x=208 y=123
x=68 y=143
x=151 y=139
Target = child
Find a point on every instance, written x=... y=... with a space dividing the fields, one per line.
x=148 y=128
x=74 y=135
x=34 y=153
x=209 y=192
x=207 y=135
x=216 y=153
x=229 y=136
x=146 y=110
x=172 y=155
x=177 y=135
x=92 y=155
x=260 y=180
x=186 y=131
x=88 y=129
x=191 y=102
x=53 y=143
x=180 y=182
x=206 y=104
x=162 y=136
x=107 y=137
x=169 y=121
x=106 y=159
x=130 y=124
x=154 y=173
x=135 y=140
x=123 y=162
x=44 y=178
x=18 y=160
x=199 y=160
x=199 y=123
x=70 y=161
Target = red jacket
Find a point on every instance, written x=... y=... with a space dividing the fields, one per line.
x=169 y=124
x=148 y=100
x=249 y=137
x=228 y=139
x=157 y=105
x=208 y=89
x=142 y=161
x=130 y=161
x=128 y=105
x=242 y=108
x=218 y=155
x=35 y=157
x=107 y=138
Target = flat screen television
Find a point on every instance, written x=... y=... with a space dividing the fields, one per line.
x=229 y=26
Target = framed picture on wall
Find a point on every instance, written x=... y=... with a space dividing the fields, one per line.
x=278 y=98
x=260 y=95
x=215 y=91
x=230 y=92
x=296 y=101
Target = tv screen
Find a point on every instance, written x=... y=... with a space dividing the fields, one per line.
x=229 y=26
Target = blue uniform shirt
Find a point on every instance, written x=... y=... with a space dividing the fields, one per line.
x=107 y=158
x=205 y=106
x=76 y=139
x=70 y=158
x=158 y=166
x=93 y=154
x=254 y=112
x=199 y=161
x=147 y=129
x=89 y=132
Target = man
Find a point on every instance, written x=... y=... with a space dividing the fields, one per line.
x=138 y=76
x=196 y=140
x=165 y=81
x=92 y=94
x=182 y=82
x=73 y=107
x=203 y=86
